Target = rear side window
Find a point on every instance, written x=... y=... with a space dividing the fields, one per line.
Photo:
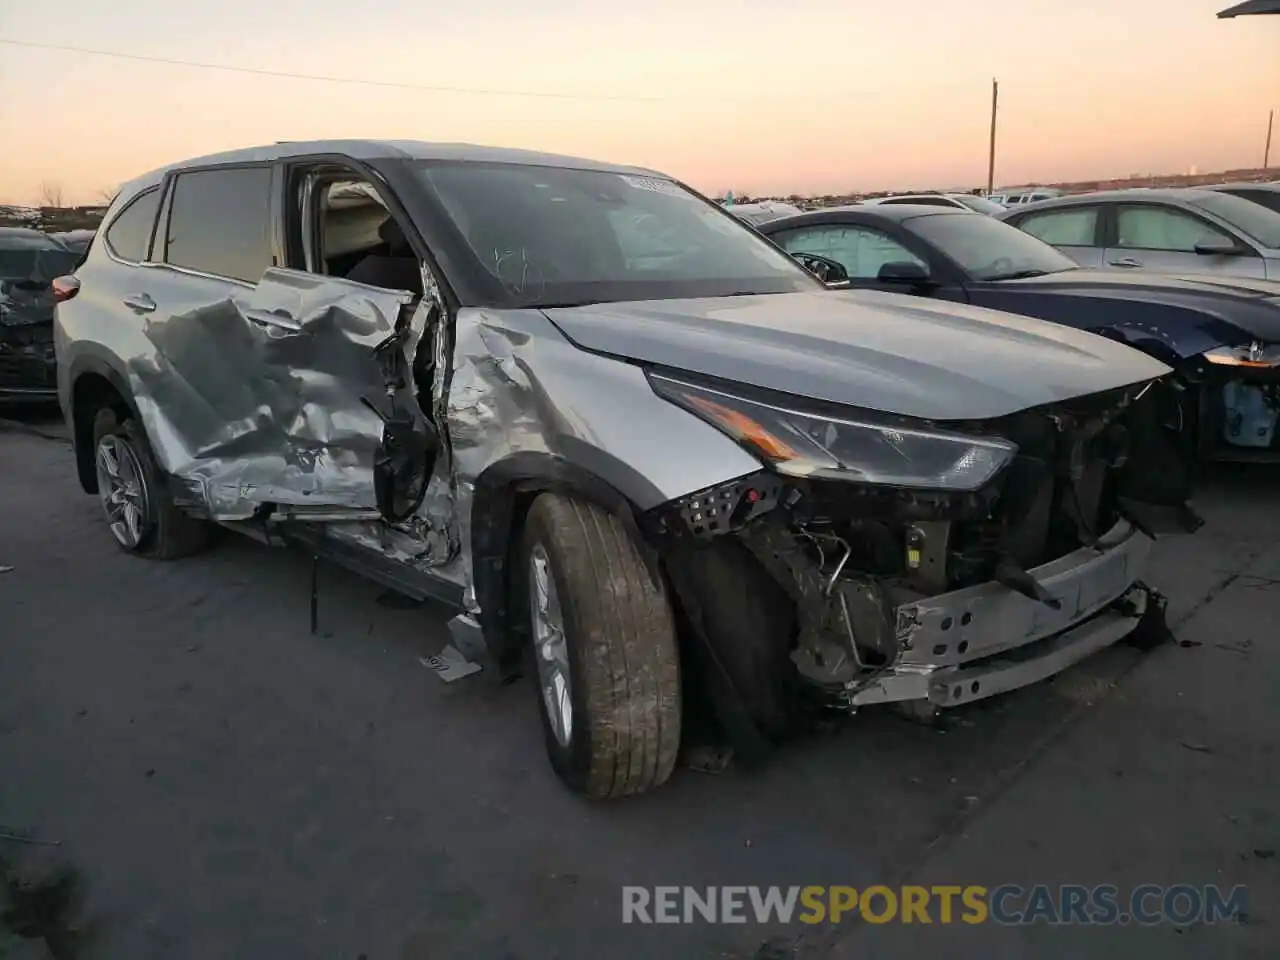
x=130 y=232
x=1063 y=228
x=220 y=222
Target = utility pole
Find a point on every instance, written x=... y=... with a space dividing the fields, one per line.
x=991 y=155
x=1266 y=153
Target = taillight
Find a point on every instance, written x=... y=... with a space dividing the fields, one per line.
x=64 y=288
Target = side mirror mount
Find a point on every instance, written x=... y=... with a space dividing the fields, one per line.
x=1218 y=247
x=905 y=272
x=830 y=272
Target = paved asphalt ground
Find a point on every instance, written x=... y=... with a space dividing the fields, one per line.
x=226 y=785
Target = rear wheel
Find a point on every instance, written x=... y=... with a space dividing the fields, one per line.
x=604 y=643
x=140 y=513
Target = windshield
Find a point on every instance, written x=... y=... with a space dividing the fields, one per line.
x=1253 y=220
x=988 y=249
x=982 y=205
x=551 y=236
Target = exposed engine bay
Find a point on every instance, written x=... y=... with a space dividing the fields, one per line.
x=898 y=593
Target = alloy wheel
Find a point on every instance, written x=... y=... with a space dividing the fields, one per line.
x=122 y=488
x=550 y=646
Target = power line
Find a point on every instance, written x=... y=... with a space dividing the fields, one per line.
x=322 y=78
x=437 y=88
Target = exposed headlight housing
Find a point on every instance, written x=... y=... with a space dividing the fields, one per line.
x=1256 y=354
x=800 y=443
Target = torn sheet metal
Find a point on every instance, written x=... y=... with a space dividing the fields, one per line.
x=507 y=383
x=260 y=398
x=484 y=393
x=430 y=539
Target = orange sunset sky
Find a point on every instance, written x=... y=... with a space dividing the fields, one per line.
x=763 y=97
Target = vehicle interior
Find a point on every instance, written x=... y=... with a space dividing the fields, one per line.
x=353 y=235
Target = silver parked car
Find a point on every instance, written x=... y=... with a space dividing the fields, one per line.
x=624 y=436
x=958 y=201
x=1173 y=230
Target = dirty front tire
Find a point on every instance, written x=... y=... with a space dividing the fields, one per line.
x=163 y=531
x=617 y=637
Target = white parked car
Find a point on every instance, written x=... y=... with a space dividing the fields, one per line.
x=961 y=201
x=1018 y=198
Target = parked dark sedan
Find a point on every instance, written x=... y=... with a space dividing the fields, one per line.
x=77 y=240
x=29 y=262
x=1221 y=333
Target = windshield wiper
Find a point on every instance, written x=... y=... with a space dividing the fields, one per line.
x=1022 y=275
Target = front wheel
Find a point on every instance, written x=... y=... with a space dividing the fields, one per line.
x=604 y=642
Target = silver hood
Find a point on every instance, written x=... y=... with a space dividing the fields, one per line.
x=878 y=351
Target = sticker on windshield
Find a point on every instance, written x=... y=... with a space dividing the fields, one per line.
x=653 y=184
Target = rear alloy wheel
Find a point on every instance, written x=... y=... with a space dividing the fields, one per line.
x=604 y=644
x=140 y=513
x=122 y=488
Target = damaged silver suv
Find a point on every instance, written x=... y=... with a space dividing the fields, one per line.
x=625 y=437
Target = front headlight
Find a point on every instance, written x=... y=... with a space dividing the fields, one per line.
x=804 y=444
x=1254 y=355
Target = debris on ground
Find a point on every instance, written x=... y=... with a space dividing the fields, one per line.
x=709 y=758
x=450 y=664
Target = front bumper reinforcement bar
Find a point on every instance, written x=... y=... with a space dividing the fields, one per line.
x=980 y=641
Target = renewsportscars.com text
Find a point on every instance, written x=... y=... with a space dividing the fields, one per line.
x=1008 y=904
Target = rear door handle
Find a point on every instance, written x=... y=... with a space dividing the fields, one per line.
x=1125 y=262
x=140 y=302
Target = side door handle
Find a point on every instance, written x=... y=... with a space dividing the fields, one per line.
x=1125 y=262
x=140 y=303
x=272 y=318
